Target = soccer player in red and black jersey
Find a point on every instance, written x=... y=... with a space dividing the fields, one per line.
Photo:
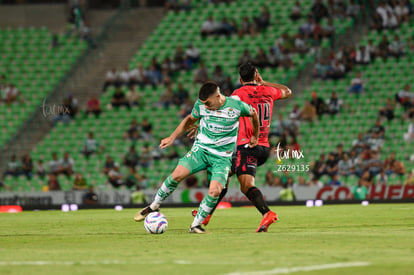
x=260 y=95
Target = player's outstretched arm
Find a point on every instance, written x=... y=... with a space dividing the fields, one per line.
x=185 y=124
x=286 y=92
x=255 y=123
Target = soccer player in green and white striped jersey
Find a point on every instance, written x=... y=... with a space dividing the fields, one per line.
x=211 y=151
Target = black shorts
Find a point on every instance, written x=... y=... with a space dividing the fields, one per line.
x=245 y=160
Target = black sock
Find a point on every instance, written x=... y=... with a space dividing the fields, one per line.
x=256 y=197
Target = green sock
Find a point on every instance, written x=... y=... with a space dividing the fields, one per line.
x=206 y=206
x=167 y=187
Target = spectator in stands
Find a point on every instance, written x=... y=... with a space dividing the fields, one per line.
x=409 y=180
x=270 y=178
x=402 y=11
x=193 y=54
x=307 y=27
x=321 y=69
x=383 y=47
x=296 y=11
x=123 y=76
x=137 y=76
x=331 y=165
x=374 y=164
x=119 y=99
x=337 y=69
x=377 y=128
x=357 y=84
x=54 y=164
x=359 y=144
x=218 y=75
x=295 y=112
x=381 y=178
x=246 y=27
x=79 y=183
x=329 y=29
x=315 y=182
x=138 y=197
x=133 y=96
x=11 y=94
x=284 y=127
x=111 y=79
x=53 y=183
x=131 y=159
x=308 y=112
x=353 y=9
x=246 y=57
x=373 y=50
x=166 y=98
x=334 y=104
x=201 y=74
x=393 y=166
x=319 y=10
x=334 y=181
x=90 y=197
x=396 y=47
x=346 y=166
x=40 y=169
x=225 y=27
x=66 y=165
x=91 y=145
x=405 y=96
x=319 y=168
x=209 y=27
x=227 y=87
x=115 y=177
x=318 y=103
x=300 y=44
x=133 y=131
x=273 y=57
x=388 y=110
x=153 y=76
x=286 y=59
x=409 y=136
x=387 y=15
x=359 y=191
x=93 y=106
x=132 y=178
x=287 y=194
x=27 y=166
x=261 y=60
x=13 y=167
x=366 y=179
x=146 y=127
x=180 y=95
x=146 y=157
x=263 y=19
x=108 y=165
x=363 y=56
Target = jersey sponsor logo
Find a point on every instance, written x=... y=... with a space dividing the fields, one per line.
x=251 y=160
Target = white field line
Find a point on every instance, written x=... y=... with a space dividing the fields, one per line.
x=17 y=263
x=287 y=270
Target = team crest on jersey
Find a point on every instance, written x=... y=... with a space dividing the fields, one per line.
x=231 y=113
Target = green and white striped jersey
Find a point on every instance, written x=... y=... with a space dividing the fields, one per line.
x=218 y=129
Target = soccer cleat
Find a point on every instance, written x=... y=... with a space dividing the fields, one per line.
x=197 y=229
x=140 y=216
x=269 y=218
x=206 y=220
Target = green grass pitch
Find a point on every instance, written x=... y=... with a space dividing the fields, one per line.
x=305 y=240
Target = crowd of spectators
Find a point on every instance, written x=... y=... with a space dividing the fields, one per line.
x=228 y=27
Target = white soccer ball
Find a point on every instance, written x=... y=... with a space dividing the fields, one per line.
x=156 y=223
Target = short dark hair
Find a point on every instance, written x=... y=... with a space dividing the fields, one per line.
x=207 y=90
x=247 y=72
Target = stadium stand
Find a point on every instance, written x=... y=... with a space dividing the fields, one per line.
x=29 y=62
x=180 y=29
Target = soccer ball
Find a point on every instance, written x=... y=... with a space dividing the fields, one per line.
x=156 y=223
